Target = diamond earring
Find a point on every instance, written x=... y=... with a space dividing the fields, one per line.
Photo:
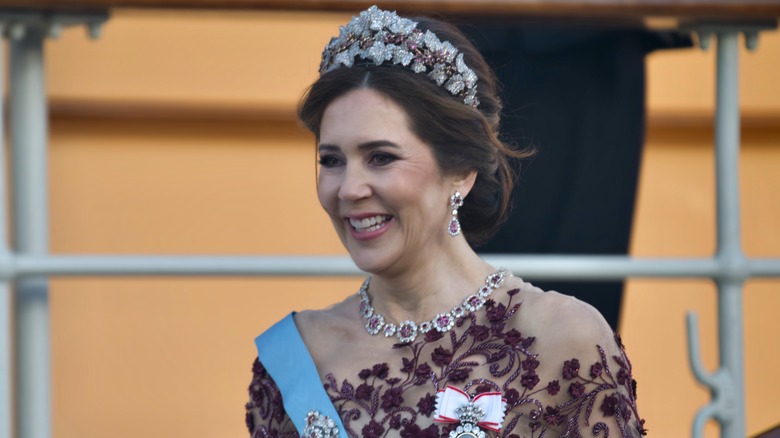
x=456 y=201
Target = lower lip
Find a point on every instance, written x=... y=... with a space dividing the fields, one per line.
x=368 y=235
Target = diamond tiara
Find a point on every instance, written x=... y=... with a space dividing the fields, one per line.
x=382 y=36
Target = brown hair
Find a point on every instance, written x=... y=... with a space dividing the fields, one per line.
x=462 y=138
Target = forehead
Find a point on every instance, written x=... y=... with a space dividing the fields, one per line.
x=364 y=115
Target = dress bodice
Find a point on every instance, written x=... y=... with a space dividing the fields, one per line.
x=581 y=386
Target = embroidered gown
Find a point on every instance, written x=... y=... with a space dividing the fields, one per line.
x=570 y=378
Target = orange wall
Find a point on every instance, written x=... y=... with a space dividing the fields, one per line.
x=675 y=216
x=171 y=357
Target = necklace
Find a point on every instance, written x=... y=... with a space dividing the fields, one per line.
x=407 y=331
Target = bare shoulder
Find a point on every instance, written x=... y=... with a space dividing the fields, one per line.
x=326 y=332
x=333 y=319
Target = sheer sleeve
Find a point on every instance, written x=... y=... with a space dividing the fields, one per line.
x=265 y=414
x=593 y=393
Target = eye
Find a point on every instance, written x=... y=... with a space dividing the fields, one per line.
x=330 y=161
x=382 y=158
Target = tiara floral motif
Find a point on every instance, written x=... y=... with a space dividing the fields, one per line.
x=382 y=36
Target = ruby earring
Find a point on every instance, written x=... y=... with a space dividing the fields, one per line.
x=456 y=201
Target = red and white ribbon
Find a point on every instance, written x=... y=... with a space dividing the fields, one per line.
x=448 y=400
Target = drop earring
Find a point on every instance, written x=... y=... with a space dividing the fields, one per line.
x=456 y=201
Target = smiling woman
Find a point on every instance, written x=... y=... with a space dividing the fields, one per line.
x=436 y=342
x=461 y=131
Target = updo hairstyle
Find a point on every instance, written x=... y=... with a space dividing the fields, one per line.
x=463 y=138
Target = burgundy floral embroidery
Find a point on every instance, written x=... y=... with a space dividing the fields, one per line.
x=513 y=337
x=433 y=336
x=423 y=371
x=459 y=375
x=495 y=313
x=265 y=416
x=373 y=430
x=483 y=353
x=364 y=391
x=480 y=332
x=553 y=387
x=622 y=376
x=427 y=405
x=529 y=379
x=392 y=399
x=512 y=396
x=571 y=368
x=576 y=389
x=609 y=405
x=408 y=365
x=380 y=370
x=441 y=357
x=553 y=416
x=395 y=422
x=530 y=363
x=595 y=370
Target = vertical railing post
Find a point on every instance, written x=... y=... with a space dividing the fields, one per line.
x=727 y=384
x=729 y=249
x=29 y=135
x=6 y=332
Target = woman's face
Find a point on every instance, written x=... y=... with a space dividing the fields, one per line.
x=381 y=184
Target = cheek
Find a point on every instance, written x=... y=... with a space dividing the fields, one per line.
x=327 y=193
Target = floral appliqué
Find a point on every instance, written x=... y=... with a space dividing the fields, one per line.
x=598 y=396
x=265 y=415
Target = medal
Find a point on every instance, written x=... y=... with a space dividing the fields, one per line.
x=468 y=415
x=484 y=411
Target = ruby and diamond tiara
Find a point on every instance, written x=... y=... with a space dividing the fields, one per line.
x=382 y=36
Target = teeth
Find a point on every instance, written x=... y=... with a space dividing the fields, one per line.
x=368 y=224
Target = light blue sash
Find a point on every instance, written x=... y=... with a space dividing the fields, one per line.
x=285 y=357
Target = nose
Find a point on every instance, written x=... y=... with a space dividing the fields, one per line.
x=355 y=184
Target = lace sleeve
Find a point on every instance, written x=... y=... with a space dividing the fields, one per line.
x=599 y=398
x=594 y=394
x=265 y=414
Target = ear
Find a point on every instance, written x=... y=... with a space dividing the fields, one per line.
x=463 y=183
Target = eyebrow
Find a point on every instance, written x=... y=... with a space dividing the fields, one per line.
x=327 y=147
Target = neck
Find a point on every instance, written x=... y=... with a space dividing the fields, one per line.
x=430 y=287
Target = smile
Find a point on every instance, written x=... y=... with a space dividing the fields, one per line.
x=369 y=224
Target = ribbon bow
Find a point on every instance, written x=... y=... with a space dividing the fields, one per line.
x=485 y=410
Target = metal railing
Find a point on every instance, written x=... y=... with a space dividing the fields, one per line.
x=29 y=265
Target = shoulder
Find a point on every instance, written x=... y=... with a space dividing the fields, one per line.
x=337 y=320
x=325 y=332
x=562 y=322
x=587 y=374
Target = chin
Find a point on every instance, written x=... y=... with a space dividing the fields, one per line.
x=373 y=257
x=369 y=264
x=376 y=261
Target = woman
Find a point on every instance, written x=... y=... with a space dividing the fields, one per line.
x=436 y=342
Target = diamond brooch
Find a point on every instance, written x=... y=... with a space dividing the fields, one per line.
x=319 y=426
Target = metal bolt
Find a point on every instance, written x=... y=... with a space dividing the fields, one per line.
x=55 y=30
x=751 y=40
x=704 y=39
x=94 y=30
x=16 y=31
